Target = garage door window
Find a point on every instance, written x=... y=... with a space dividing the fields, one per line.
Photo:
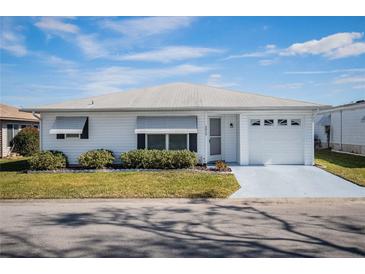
x=255 y=122
x=282 y=122
x=268 y=122
x=295 y=122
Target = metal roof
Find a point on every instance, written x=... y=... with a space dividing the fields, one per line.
x=177 y=96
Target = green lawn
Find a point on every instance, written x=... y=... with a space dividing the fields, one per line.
x=162 y=184
x=349 y=167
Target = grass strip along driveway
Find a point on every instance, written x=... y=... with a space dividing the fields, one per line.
x=159 y=184
x=347 y=166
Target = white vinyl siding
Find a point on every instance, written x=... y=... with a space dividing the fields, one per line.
x=110 y=130
x=353 y=130
x=229 y=138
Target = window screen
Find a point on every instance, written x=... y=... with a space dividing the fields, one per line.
x=193 y=142
x=156 y=141
x=178 y=141
x=141 y=141
x=10 y=134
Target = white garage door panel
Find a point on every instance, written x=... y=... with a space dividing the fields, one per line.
x=276 y=145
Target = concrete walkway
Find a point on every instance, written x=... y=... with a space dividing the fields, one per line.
x=183 y=228
x=291 y=181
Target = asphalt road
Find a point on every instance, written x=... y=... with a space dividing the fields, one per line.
x=183 y=228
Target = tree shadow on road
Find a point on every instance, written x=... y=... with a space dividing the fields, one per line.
x=181 y=231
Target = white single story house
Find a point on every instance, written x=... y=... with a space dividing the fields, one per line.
x=218 y=124
x=342 y=127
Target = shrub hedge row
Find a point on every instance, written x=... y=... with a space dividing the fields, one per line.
x=101 y=158
x=160 y=159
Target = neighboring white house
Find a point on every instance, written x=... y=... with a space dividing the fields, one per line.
x=218 y=124
x=12 y=121
x=345 y=126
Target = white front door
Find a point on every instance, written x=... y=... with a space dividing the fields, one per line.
x=215 y=139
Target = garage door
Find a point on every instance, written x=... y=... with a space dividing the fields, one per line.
x=276 y=141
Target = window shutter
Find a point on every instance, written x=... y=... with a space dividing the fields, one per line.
x=60 y=136
x=141 y=141
x=193 y=142
x=85 y=130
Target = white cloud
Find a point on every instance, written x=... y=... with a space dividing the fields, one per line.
x=266 y=62
x=168 y=54
x=350 y=80
x=90 y=46
x=116 y=78
x=326 y=71
x=288 y=86
x=269 y=50
x=87 y=43
x=335 y=46
x=359 y=87
x=13 y=42
x=147 y=26
x=215 y=80
x=349 y=50
x=11 y=38
x=56 y=24
x=324 y=46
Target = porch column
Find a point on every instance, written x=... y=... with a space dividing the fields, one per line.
x=243 y=140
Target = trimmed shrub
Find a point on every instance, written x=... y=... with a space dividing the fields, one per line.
x=99 y=158
x=48 y=160
x=159 y=159
x=26 y=142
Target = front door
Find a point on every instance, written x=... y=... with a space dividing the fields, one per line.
x=215 y=139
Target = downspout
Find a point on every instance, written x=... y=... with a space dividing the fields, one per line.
x=40 y=128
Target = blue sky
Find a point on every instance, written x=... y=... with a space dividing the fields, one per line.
x=51 y=59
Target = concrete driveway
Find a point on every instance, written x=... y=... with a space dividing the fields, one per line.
x=183 y=228
x=291 y=181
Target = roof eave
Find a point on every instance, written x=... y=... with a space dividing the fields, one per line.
x=198 y=108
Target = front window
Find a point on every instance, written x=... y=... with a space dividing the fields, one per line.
x=167 y=141
x=178 y=141
x=156 y=141
x=72 y=136
x=12 y=131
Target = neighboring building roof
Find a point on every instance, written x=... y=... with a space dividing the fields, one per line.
x=12 y=113
x=357 y=104
x=178 y=96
